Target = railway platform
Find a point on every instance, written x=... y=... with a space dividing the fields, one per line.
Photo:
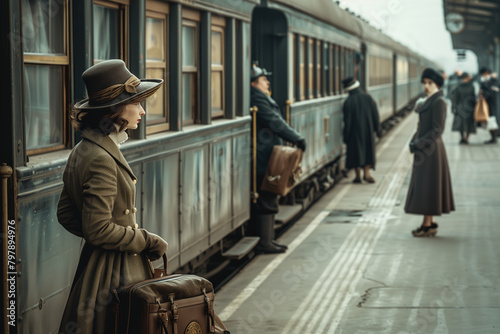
x=353 y=266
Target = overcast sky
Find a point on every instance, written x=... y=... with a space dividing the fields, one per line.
x=417 y=24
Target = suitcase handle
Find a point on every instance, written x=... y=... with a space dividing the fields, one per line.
x=159 y=272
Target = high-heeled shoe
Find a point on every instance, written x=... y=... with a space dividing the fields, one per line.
x=426 y=231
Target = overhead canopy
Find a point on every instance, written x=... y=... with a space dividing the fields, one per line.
x=474 y=25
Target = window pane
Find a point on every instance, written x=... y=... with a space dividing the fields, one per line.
x=106 y=33
x=188 y=97
x=216 y=91
x=188 y=46
x=43 y=109
x=43 y=26
x=155 y=39
x=155 y=105
x=216 y=48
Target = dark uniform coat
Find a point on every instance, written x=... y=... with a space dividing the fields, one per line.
x=272 y=129
x=464 y=101
x=430 y=192
x=97 y=203
x=360 y=123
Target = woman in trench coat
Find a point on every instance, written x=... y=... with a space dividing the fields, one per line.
x=97 y=200
x=430 y=192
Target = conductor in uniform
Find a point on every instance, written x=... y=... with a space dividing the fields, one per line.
x=360 y=123
x=272 y=129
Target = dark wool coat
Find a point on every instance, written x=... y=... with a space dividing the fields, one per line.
x=430 y=192
x=97 y=203
x=489 y=91
x=272 y=129
x=360 y=123
x=464 y=101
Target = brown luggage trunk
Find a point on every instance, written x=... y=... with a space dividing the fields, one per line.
x=283 y=170
x=174 y=304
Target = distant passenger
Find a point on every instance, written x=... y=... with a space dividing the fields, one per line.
x=97 y=200
x=489 y=90
x=361 y=121
x=464 y=101
x=453 y=81
x=272 y=129
x=430 y=192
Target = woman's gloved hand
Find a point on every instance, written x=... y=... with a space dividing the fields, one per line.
x=155 y=245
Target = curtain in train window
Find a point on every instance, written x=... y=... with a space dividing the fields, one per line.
x=319 y=86
x=106 y=33
x=46 y=60
x=312 y=57
x=156 y=68
x=217 y=54
x=189 y=71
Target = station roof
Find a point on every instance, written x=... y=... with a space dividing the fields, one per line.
x=473 y=24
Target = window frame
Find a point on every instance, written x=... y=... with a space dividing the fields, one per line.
x=156 y=11
x=218 y=24
x=62 y=61
x=192 y=19
x=123 y=7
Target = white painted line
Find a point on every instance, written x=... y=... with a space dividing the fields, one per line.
x=228 y=311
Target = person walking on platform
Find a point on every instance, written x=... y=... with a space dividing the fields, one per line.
x=361 y=121
x=97 y=200
x=430 y=191
x=489 y=91
x=464 y=101
x=272 y=129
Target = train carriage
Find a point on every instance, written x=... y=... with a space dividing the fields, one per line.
x=192 y=155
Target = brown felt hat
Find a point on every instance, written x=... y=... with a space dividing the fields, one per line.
x=109 y=83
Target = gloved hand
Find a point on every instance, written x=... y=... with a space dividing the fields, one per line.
x=301 y=144
x=155 y=245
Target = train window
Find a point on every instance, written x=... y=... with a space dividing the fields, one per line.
x=341 y=64
x=302 y=61
x=310 y=81
x=218 y=25
x=46 y=68
x=189 y=71
x=413 y=70
x=157 y=116
x=331 y=67
x=108 y=35
x=294 y=66
x=337 y=69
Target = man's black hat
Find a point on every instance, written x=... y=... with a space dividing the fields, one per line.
x=484 y=70
x=434 y=75
x=258 y=72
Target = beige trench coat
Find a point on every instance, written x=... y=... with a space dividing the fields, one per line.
x=97 y=203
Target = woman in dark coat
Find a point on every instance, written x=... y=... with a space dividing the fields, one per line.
x=430 y=192
x=464 y=101
x=97 y=200
x=361 y=122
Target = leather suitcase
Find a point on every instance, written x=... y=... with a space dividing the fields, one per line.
x=173 y=304
x=283 y=170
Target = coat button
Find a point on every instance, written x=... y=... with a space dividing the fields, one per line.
x=135 y=181
x=129 y=227
x=136 y=226
x=127 y=211
x=134 y=210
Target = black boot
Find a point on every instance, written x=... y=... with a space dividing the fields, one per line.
x=266 y=232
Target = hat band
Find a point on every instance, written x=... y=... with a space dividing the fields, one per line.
x=111 y=92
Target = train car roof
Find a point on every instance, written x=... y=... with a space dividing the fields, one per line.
x=330 y=12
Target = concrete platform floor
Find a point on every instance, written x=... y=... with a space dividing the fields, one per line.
x=353 y=266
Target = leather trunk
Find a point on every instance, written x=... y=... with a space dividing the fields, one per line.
x=174 y=304
x=283 y=170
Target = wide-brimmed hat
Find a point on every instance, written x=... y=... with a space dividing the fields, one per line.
x=349 y=84
x=258 y=72
x=109 y=83
x=434 y=75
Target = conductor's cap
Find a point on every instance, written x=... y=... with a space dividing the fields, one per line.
x=258 y=72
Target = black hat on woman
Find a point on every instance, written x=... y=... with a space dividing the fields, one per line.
x=434 y=75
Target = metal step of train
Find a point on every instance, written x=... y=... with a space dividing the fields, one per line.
x=286 y=213
x=241 y=248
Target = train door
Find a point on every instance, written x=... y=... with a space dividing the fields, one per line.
x=269 y=48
